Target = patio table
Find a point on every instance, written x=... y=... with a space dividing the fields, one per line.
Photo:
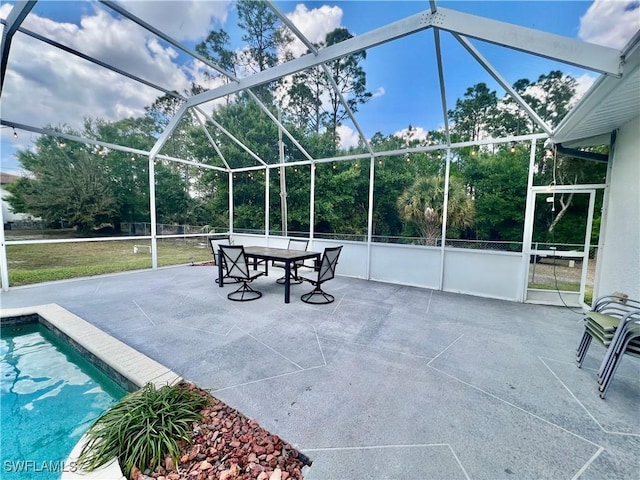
x=284 y=255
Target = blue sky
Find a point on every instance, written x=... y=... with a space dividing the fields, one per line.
x=45 y=86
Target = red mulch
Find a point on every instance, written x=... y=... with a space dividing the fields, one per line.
x=226 y=445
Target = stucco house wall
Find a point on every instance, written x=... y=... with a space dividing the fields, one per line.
x=619 y=269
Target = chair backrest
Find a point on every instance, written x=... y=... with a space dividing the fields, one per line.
x=298 y=244
x=235 y=261
x=215 y=242
x=328 y=264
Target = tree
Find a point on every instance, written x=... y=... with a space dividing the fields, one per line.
x=161 y=111
x=395 y=174
x=556 y=92
x=216 y=48
x=128 y=174
x=312 y=98
x=498 y=182
x=265 y=40
x=304 y=106
x=350 y=78
x=550 y=96
x=172 y=196
x=423 y=204
x=68 y=182
x=474 y=115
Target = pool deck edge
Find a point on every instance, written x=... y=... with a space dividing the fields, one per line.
x=128 y=362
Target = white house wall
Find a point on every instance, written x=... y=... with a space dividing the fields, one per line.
x=620 y=254
x=7 y=214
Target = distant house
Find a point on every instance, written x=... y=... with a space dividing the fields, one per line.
x=8 y=217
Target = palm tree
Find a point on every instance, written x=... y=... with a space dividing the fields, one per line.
x=423 y=204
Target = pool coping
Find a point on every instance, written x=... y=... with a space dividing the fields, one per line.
x=125 y=365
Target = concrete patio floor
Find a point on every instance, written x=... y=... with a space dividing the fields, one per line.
x=389 y=382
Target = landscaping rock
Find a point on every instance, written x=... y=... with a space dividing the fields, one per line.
x=226 y=445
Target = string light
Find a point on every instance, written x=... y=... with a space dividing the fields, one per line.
x=513 y=147
x=15 y=134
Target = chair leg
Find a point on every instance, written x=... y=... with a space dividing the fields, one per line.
x=583 y=347
x=609 y=364
x=293 y=279
x=229 y=280
x=605 y=382
x=244 y=294
x=317 y=297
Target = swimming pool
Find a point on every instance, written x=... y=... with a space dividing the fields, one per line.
x=49 y=396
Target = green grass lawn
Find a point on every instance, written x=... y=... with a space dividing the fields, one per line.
x=30 y=264
x=566 y=287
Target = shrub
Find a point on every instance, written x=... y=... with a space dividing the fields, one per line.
x=144 y=428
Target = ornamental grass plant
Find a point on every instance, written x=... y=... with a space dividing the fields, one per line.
x=144 y=428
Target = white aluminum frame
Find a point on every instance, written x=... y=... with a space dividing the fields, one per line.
x=600 y=59
x=527 y=250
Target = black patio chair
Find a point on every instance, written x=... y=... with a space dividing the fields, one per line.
x=238 y=268
x=294 y=244
x=214 y=243
x=326 y=271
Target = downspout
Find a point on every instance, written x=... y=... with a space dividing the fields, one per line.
x=602 y=237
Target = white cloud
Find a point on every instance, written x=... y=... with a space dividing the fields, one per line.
x=380 y=91
x=416 y=133
x=610 y=23
x=181 y=20
x=583 y=83
x=348 y=136
x=314 y=24
x=45 y=85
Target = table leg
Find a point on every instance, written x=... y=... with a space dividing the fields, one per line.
x=287 y=280
x=220 y=276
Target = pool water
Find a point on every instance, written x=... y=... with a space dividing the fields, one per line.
x=50 y=396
